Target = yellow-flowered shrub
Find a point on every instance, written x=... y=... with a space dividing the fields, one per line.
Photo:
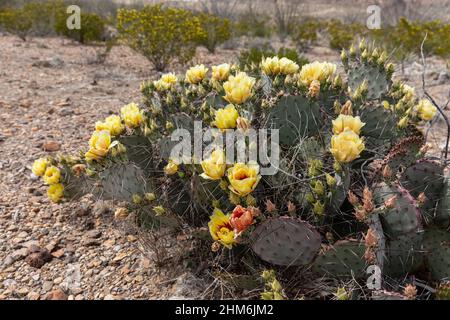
x=217 y=30
x=162 y=35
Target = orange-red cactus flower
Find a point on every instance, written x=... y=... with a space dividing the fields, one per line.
x=242 y=218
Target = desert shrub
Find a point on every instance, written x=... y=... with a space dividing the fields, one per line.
x=33 y=18
x=341 y=35
x=305 y=34
x=16 y=21
x=255 y=26
x=161 y=35
x=217 y=30
x=253 y=56
x=404 y=39
x=92 y=28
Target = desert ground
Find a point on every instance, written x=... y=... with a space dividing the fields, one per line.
x=51 y=95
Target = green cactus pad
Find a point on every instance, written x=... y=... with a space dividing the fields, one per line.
x=428 y=177
x=286 y=241
x=76 y=187
x=404 y=255
x=140 y=151
x=296 y=117
x=380 y=123
x=344 y=259
x=122 y=181
x=442 y=215
x=405 y=153
x=378 y=81
x=404 y=217
x=437 y=252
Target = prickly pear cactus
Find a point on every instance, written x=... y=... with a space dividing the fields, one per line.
x=350 y=184
x=286 y=241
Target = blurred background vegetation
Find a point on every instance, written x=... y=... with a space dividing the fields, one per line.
x=167 y=31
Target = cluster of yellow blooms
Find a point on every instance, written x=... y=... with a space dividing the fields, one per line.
x=316 y=71
x=100 y=141
x=346 y=145
x=426 y=110
x=166 y=82
x=51 y=175
x=275 y=65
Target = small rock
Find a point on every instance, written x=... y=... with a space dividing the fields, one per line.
x=58 y=253
x=89 y=242
x=58 y=280
x=47 y=286
x=39 y=258
x=33 y=296
x=51 y=146
x=93 y=234
x=19 y=254
x=57 y=294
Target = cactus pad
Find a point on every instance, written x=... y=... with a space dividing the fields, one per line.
x=380 y=123
x=442 y=215
x=404 y=254
x=343 y=259
x=286 y=241
x=404 y=217
x=437 y=252
x=295 y=117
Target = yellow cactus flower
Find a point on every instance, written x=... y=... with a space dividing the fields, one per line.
x=243 y=178
x=166 y=82
x=196 y=74
x=288 y=66
x=99 y=145
x=55 y=192
x=39 y=167
x=346 y=146
x=426 y=110
x=226 y=118
x=221 y=229
x=112 y=123
x=132 y=115
x=409 y=92
x=319 y=71
x=344 y=122
x=275 y=65
x=52 y=175
x=214 y=167
x=238 y=88
x=271 y=65
x=171 y=168
x=221 y=72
